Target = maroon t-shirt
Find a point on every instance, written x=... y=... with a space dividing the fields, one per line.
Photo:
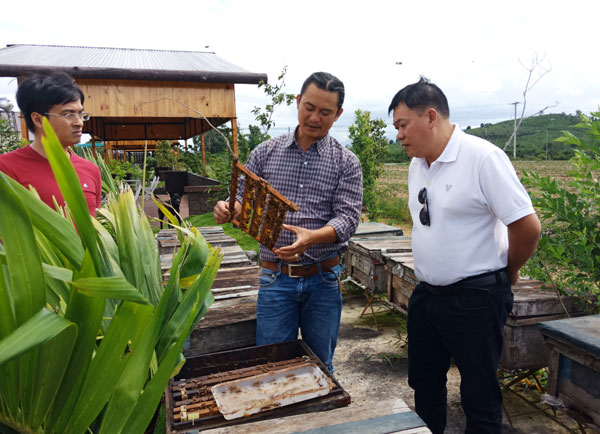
x=28 y=167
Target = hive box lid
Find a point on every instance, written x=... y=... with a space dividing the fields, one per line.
x=581 y=332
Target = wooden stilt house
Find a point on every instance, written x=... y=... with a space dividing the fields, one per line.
x=136 y=96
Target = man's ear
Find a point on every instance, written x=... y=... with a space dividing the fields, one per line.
x=298 y=98
x=339 y=113
x=37 y=120
x=432 y=116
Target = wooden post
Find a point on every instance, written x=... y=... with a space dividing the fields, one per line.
x=177 y=155
x=24 y=130
x=203 y=146
x=234 y=134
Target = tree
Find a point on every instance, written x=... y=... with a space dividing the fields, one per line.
x=165 y=157
x=264 y=116
x=370 y=146
x=536 y=70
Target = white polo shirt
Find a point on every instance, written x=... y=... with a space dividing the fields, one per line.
x=472 y=192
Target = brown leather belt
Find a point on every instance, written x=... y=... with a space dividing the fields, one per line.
x=301 y=270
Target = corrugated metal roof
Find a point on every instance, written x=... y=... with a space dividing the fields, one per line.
x=123 y=63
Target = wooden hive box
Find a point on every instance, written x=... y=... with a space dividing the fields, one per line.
x=199 y=371
x=524 y=347
x=366 y=263
x=376 y=230
x=372 y=230
x=574 y=369
x=389 y=416
x=230 y=322
x=401 y=279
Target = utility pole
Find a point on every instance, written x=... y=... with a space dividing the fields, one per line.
x=515 y=127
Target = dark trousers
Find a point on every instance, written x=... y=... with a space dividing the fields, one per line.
x=465 y=323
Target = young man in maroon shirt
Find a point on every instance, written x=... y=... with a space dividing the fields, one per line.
x=58 y=98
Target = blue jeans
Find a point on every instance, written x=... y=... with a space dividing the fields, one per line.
x=469 y=329
x=312 y=303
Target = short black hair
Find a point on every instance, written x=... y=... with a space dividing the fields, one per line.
x=420 y=96
x=39 y=93
x=328 y=82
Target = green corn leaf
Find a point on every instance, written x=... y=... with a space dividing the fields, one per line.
x=108 y=215
x=40 y=328
x=126 y=240
x=172 y=295
x=107 y=240
x=108 y=183
x=114 y=287
x=58 y=273
x=26 y=277
x=199 y=290
x=150 y=257
x=9 y=372
x=129 y=390
x=59 y=231
x=129 y=324
x=22 y=257
x=52 y=337
x=133 y=378
x=87 y=313
x=57 y=292
x=148 y=402
x=196 y=256
x=167 y=213
x=51 y=368
x=70 y=187
x=57 y=288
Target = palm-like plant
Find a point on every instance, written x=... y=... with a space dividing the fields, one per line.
x=88 y=336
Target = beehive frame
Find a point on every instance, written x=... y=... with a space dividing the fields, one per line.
x=258 y=194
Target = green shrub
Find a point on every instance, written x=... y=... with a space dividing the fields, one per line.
x=569 y=250
x=389 y=206
x=9 y=137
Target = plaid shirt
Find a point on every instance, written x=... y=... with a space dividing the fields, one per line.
x=325 y=182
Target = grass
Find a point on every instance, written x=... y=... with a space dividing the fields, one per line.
x=245 y=241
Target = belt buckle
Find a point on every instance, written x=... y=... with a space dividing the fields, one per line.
x=291 y=267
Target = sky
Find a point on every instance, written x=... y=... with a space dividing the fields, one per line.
x=478 y=52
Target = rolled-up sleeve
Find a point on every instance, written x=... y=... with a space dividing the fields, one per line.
x=348 y=199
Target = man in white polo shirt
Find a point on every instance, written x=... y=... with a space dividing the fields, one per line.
x=473 y=228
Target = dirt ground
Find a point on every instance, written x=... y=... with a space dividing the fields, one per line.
x=371 y=365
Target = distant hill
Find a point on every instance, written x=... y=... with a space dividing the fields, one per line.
x=533 y=135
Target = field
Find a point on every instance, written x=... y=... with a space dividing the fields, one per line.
x=393 y=188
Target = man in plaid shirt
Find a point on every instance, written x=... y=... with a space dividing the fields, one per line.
x=299 y=282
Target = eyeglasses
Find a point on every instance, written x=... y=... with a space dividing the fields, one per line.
x=71 y=117
x=424 y=214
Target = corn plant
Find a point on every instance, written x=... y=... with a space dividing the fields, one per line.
x=88 y=336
